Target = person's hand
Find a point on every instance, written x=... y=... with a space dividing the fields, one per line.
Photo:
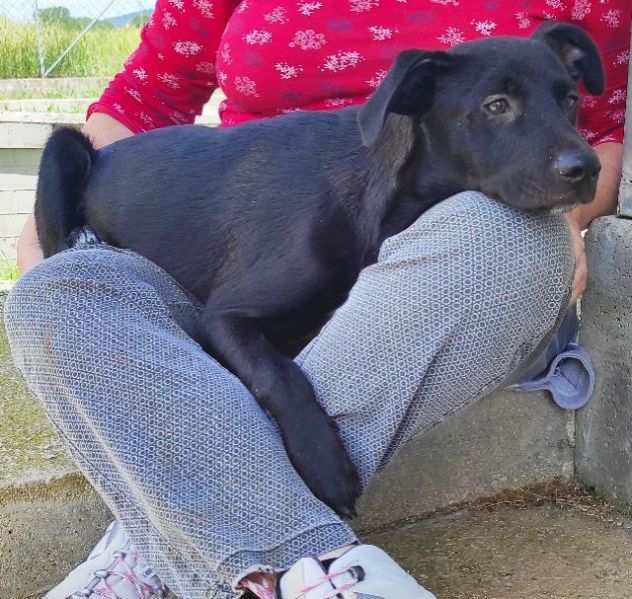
x=102 y=130
x=580 y=279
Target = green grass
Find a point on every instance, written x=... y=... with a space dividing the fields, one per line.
x=100 y=52
x=8 y=270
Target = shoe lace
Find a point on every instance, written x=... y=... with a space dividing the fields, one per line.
x=101 y=586
x=357 y=575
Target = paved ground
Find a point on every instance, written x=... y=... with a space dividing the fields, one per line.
x=575 y=550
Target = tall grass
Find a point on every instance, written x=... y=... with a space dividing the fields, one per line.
x=100 y=52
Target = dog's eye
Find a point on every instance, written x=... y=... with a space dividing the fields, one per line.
x=497 y=106
x=571 y=100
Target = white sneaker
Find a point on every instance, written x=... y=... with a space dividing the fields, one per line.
x=364 y=572
x=113 y=570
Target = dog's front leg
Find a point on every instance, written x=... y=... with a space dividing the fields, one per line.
x=282 y=389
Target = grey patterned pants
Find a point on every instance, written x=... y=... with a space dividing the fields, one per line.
x=181 y=452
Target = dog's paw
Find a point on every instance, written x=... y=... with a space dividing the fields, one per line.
x=319 y=456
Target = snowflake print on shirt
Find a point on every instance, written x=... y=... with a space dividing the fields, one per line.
x=246 y=86
x=169 y=80
x=612 y=18
x=618 y=96
x=524 y=22
x=622 y=58
x=287 y=71
x=205 y=7
x=381 y=34
x=309 y=8
x=308 y=40
x=581 y=9
x=205 y=67
x=377 y=79
x=317 y=54
x=363 y=5
x=277 y=16
x=485 y=28
x=187 y=48
x=341 y=61
x=168 y=20
x=452 y=37
x=258 y=37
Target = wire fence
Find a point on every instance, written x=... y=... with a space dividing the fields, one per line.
x=47 y=38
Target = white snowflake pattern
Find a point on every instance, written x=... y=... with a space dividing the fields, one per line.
x=160 y=56
x=622 y=57
x=134 y=93
x=277 y=16
x=581 y=9
x=308 y=40
x=243 y=7
x=118 y=108
x=485 y=28
x=588 y=134
x=288 y=71
x=452 y=37
x=337 y=102
x=205 y=7
x=377 y=79
x=617 y=116
x=246 y=86
x=549 y=16
x=618 y=96
x=341 y=61
x=556 y=4
x=258 y=37
x=446 y=2
x=523 y=19
x=146 y=119
x=225 y=54
x=612 y=18
x=178 y=4
x=205 y=67
x=170 y=80
x=141 y=74
x=168 y=20
x=589 y=102
x=186 y=48
x=381 y=34
x=222 y=77
x=307 y=9
x=363 y=5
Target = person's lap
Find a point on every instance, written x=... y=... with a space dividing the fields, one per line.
x=179 y=449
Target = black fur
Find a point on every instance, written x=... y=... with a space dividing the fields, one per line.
x=270 y=223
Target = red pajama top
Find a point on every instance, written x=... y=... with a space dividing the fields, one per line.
x=275 y=56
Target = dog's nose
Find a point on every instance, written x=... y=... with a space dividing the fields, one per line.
x=574 y=166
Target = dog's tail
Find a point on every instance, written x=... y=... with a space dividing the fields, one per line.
x=64 y=169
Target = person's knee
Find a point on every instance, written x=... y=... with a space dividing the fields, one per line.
x=501 y=265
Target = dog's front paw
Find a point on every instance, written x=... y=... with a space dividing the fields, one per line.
x=319 y=456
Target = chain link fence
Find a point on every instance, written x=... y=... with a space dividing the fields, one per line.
x=79 y=38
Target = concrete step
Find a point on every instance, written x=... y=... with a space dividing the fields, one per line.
x=50 y=517
x=568 y=548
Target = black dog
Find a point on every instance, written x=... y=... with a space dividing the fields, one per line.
x=270 y=223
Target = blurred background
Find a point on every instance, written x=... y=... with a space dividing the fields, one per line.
x=68 y=38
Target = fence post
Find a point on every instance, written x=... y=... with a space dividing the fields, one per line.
x=625 y=190
x=39 y=34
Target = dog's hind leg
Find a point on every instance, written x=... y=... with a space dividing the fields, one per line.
x=282 y=389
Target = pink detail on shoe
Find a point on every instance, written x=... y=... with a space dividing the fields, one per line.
x=263 y=591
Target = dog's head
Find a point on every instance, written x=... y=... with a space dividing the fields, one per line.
x=498 y=115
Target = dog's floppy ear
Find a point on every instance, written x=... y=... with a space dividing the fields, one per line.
x=407 y=89
x=577 y=51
